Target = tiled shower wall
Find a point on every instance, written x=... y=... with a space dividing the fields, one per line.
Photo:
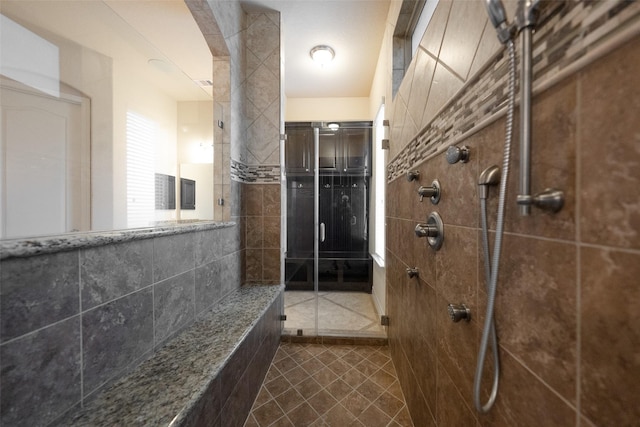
x=256 y=167
x=261 y=215
x=72 y=321
x=248 y=91
x=568 y=281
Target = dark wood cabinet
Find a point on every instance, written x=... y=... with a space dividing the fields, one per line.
x=328 y=152
x=356 y=145
x=343 y=203
x=334 y=274
x=344 y=151
x=298 y=150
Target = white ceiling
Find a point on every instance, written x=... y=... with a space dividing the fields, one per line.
x=353 y=28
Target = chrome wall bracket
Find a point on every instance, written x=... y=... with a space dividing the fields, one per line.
x=550 y=200
x=433 y=230
x=433 y=192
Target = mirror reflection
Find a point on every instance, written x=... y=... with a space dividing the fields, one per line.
x=97 y=101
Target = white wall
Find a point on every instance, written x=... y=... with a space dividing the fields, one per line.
x=379 y=290
x=381 y=86
x=195 y=155
x=195 y=132
x=323 y=109
x=381 y=92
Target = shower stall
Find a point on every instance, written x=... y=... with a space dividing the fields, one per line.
x=327 y=173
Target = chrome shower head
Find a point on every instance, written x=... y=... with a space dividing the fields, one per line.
x=498 y=18
x=489 y=176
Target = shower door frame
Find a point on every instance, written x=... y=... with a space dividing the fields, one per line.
x=316 y=219
x=298 y=169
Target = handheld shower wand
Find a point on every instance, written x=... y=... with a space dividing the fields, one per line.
x=491 y=176
x=551 y=199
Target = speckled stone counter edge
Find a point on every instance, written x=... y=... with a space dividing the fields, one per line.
x=67 y=242
x=164 y=389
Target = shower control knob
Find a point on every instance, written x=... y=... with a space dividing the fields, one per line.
x=433 y=230
x=432 y=192
x=426 y=230
x=458 y=312
x=457 y=154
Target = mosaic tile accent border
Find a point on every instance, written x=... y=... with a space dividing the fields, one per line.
x=567 y=34
x=255 y=173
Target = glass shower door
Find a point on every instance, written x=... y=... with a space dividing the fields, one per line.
x=302 y=233
x=328 y=270
x=344 y=267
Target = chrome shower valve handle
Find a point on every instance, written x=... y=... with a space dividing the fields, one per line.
x=433 y=192
x=426 y=230
x=433 y=230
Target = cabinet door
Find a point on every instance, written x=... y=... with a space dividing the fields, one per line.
x=356 y=144
x=328 y=153
x=298 y=150
x=300 y=218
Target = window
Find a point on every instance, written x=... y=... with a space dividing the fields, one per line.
x=379 y=185
x=421 y=26
x=140 y=175
x=412 y=22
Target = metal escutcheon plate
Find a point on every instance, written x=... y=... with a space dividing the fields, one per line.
x=435 y=220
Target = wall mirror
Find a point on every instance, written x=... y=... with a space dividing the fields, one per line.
x=98 y=98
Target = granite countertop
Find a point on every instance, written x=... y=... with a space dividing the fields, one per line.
x=161 y=390
x=71 y=241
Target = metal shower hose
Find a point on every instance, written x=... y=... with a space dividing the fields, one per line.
x=491 y=271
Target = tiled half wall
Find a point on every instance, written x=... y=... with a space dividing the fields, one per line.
x=71 y=322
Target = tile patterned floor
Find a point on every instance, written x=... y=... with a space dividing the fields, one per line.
x=352 y=313
x=330 y=385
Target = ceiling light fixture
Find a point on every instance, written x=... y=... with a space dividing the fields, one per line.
x=333 y=126
x=322 y=54
x=160 y=65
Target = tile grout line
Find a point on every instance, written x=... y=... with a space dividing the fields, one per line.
x=82 y=396
x=364 y=359
x=578 y=239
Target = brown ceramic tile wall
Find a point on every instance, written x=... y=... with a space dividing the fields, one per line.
x=567 y=325
x=441 y=98
x=261 y=216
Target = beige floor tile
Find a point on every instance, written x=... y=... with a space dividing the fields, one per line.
x=337 y=313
